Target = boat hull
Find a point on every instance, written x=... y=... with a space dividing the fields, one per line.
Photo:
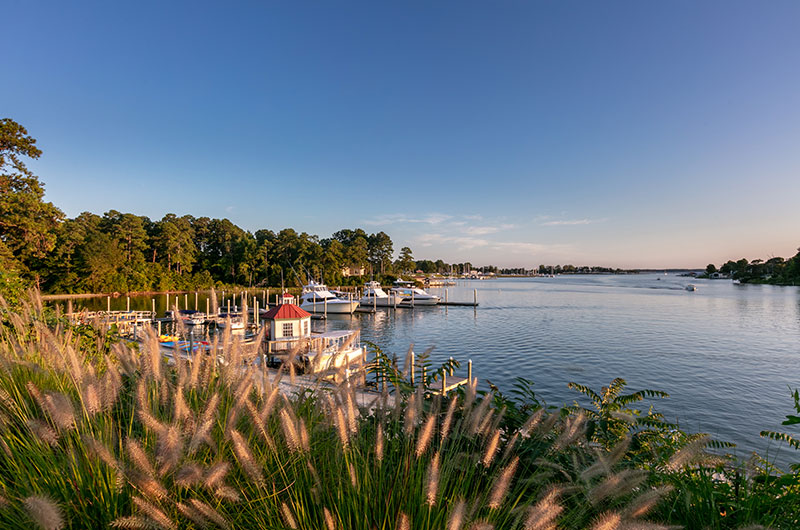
x=338 y=307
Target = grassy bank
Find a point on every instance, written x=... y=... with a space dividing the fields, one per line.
x=97 y=432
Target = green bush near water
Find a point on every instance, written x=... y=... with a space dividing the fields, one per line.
x=97 y=432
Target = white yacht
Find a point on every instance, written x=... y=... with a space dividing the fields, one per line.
x=407 y=293
x=233 y=321
x=374 y=296
x=317 y=298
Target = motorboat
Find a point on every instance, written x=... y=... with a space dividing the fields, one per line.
x=375 y=296
x=234 y=322
x=189 y=317
x=691 y=287
x=407 y=293
x=316 y=298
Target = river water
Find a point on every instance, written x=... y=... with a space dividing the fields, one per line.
x=727 y=354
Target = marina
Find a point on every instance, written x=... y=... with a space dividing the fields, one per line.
x=732 y=345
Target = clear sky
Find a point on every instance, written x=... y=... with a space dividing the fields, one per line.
x=628 y=133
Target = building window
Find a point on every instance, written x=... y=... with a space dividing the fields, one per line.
x=288 y=329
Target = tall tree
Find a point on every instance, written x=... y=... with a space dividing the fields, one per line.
x=380 y=250
x=406 y=261
x=27 y=222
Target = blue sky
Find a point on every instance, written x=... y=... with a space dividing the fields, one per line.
x=633 y=134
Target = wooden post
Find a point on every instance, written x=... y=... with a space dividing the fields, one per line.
x=167 y=305
x=444 y=383
x=445 y=297
x=108 y=304
x=255 y=313
x=186 y=300
x=229 y=307
x=208 y=303
x=159 y=328
x=154 y=308
x=69 y=307
x=196 y=307
x=128 y=304
x=412 y=368
x=451 y=366
x=469 y=371
x=325 y=308
x=475 y=296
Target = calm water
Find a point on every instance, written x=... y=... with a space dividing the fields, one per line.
x=726 y=354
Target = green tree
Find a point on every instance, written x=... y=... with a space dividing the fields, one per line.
x=711 y=268
x=27 y=222
x=175 y=243
x=405 y=262
x=379 y=249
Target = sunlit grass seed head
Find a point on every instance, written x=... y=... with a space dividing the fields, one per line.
x=154 y=513
x=425 y=436
x=501 y=486
x=44 y=512
x=543 y=515
x=433 y=481
x=491 y=449
x=608 y=521
x=457 y=515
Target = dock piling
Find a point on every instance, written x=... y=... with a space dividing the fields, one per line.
x=469 y=370
x=108 y=304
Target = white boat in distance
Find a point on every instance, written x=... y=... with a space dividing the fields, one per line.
x=317 y=298
x=406 y=293
x=374 y=296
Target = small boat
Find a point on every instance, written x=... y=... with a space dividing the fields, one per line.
x=316 y=298
x=737 y=282
x=691 y=287
x=406 y=293
x=375 y=296
x=232 y=322
x=189 y=317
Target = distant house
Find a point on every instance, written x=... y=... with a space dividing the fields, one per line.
x=353 y=271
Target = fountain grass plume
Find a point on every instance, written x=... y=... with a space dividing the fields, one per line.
x=433 y=480
x=44 y=512
x=154 y=513
x=425 y=436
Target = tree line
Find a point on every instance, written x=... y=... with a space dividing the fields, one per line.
x=776 y=270
x=124 y=252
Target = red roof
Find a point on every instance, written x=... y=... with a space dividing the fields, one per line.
x=284 y=311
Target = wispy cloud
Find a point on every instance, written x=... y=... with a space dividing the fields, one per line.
x=432 y=219
x=487 y=229
x=506 y=247
x=462 y=243
x=572 y=222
